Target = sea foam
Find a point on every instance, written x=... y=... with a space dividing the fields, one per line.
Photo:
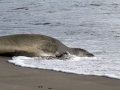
x=76 y=65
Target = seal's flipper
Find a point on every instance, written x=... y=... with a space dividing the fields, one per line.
x=63 y=55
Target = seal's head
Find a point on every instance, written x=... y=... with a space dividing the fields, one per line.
x=82 y=53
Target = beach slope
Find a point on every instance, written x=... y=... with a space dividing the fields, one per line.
x=18 y=78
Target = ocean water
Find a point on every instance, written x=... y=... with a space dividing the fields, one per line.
x=92 y=25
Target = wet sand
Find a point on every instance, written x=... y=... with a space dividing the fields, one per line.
x=18 y=78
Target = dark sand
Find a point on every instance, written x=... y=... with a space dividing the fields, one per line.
x=18 y=78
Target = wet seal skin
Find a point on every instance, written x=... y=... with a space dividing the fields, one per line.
x=37 y=45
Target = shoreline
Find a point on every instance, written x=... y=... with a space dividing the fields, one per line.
x=14 y=77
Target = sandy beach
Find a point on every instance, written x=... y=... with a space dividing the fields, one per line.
x=18 y=78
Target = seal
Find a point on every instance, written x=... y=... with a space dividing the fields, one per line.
x=36 y=45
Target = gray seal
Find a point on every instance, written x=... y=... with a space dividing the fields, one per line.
x=36 y=45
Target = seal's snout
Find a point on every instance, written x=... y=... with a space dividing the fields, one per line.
x=82 y=53
x=90 y=55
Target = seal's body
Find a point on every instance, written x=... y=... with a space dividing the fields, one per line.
x=35 y=45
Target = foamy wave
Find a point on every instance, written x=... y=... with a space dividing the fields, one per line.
x=77 y=65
